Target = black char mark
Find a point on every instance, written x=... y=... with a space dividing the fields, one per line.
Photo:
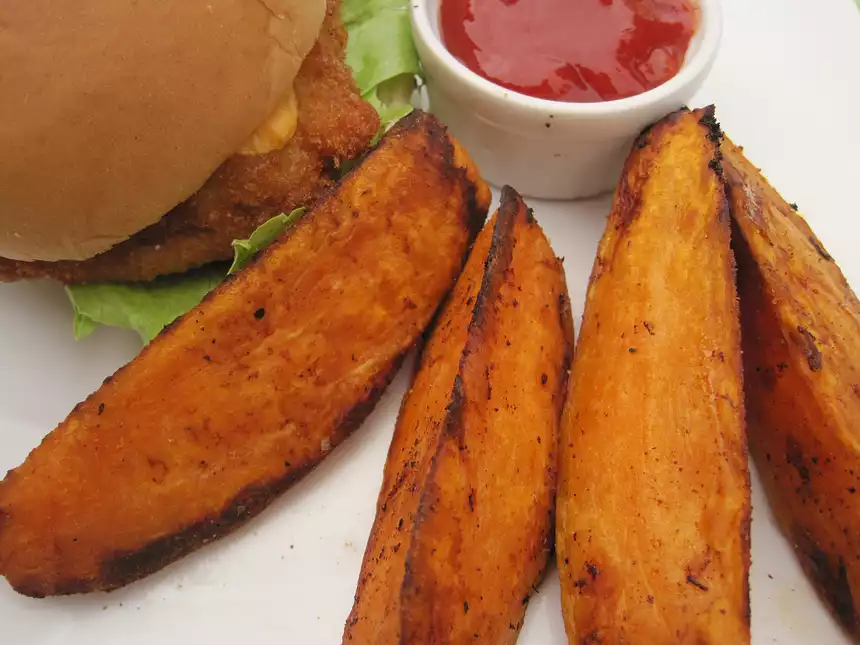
x=831 y=577
x=813 y=354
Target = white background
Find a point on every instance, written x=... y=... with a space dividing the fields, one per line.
x=787 y=87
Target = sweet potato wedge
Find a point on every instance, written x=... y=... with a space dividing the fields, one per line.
x=654 y=502
x=254 y=387
x=801 y=337
x=464 y=519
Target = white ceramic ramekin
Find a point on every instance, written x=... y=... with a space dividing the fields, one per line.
x=550 y=149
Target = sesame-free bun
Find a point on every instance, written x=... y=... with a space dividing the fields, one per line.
x=114 y=111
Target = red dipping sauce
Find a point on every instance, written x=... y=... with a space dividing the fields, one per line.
x=571 y=50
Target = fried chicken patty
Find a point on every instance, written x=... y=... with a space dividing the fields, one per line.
x=334 y=125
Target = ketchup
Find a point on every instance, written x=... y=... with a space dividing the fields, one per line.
x=571 y=50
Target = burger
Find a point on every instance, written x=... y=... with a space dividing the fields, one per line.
x=139 y=139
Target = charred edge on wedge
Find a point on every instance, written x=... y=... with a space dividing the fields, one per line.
x=708 y=119
x=819 y=248
x=451 y=426
x=746 y=526
x=831 y=576
x=730 y=226
x=498 y=259
x=565 y=314
x=716 y=164
x=738 y=250
x=724 y=221
x=440 y=139
x=724 y=209
x=471 y=213
x=121 y=568
x=746 y=520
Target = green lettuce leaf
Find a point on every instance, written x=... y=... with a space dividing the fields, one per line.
x=144 y=307
x=382 y=55
x=245 y=250
x=148 y=307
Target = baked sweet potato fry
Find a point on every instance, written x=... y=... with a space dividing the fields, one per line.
x=654 y=501
x=801 y=332
x=464 y=519
x=255 y=386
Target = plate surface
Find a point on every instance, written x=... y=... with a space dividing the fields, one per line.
x=787 y=87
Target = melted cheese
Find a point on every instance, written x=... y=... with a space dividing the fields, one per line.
x=276 y=131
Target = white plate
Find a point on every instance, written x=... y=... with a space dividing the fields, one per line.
x=787 y=86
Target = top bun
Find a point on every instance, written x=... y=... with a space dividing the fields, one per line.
x=114 y=111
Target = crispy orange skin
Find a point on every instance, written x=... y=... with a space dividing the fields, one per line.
x=654 y=502
x=801 y=330
x=464 y=519
x=254 y=387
